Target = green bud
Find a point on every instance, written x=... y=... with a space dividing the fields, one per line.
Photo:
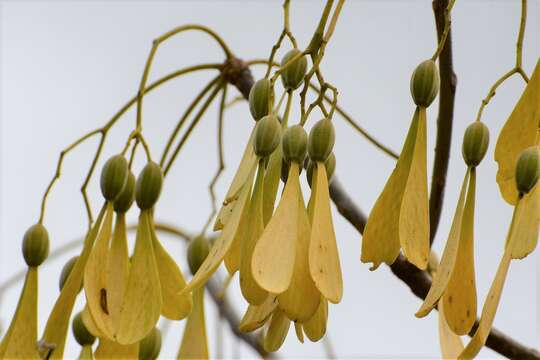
x=528 y=169
x=150 y=346
x=321 y=140
x=35 y=245
x=114 y=177
x=267 y=135
x=148 y=186
x=425 y=83
x=261 y=96
x=197 y=252
x=124 y=201
x=295 y=144
x=80 y=332
x=293 y=75
x=475 y=143
x=329 y=164
x=66 y=270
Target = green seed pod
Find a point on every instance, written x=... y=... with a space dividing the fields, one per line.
x=261 y=96
x=66 y=270
x=124 y=201
x=114 y=177
x=293 y=75
x=267 y=135
x=425 y=83
x=197 y=252
x=148 y=186
x=528 y=169
x=35 y=245
x=80 y=332
x=329 y=164
x=150 y=346
x=321 y=140
x=475 y=143
x=295 y=144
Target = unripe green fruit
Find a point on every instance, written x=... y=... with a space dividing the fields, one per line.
x=475 y=143
x=150 y=346
x=294 y=144
x=329 y=164
x=124 y=201
x=260 y=98
x=80 y=332
x=197 y=252
x=425 y=83
x=321 y=140
x=148 y=186
x=35 y=245
x=66 y=270
x=114 y=177
x=267 y=135
x=293 y=75
x=528 y=169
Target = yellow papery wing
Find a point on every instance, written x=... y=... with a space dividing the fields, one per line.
x=518 y=133
x=524 y=236
x=277 y=331
x=232 y=257
x=414 y=212
x=108 y=349
x=451 y=344
x=488 y=311
x=20 y=341
x=315 y=328
x=89 y=323
x=299 y=332
x=256 y=315
x=58 y=321
x=86 y=353
x=274 y=255
x=194 y=342
x=95 y=278
x=271 y=183
x=380 y=242
x=324 y=263
x=460 y=295
x=175 y=305
x=448 y=259
x=142 y=303
x=223 y=243
x=251 y=290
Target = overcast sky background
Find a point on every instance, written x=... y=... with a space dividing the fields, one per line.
x=67 y=66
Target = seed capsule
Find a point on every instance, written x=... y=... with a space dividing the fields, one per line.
x=260 y=98
x=267 y=135
x=329 y=164
x=293 y=75
x=80 y=332
x=197 y=252
x=425 y=83
x=528 y=169
x=148 y=186
x=66 y=270
x=295 y=144
x=114 y=177
x=35 y=245
x=475 y=143
x=321 y=140
x=124 y=201
x=150 y=346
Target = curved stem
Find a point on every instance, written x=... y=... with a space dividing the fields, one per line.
x=447 y=25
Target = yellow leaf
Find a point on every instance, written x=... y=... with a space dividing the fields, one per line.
x=58 y=321
x=256 y=315
x=448 y=259
x=451 y=344
x=108 y=350
x=274 y=255
x=194 y=342
x=223 y=243
x=299 y=332
x=315 y=328
x=460 y=295
x=414 y=212
x=324 y=263
x=90 y=324
x=251 y=290
x=142 y=303
x=488 y=311
x=518 y=133
x=277 y=331
x=271 y=183
x=526 y=221
x=176 y=305
x=86 y=353
x=20 y=341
